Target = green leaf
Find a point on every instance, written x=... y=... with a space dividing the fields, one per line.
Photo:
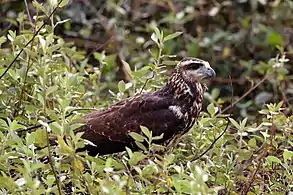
x=211 y=109
x=252 y=143
x=244 y=154
x=149 y=170
x=157 y=32
x=128 y=85
x=158 y=137
x=243 y=123
x=273 y=159
x=137 y=137
x=13 y=74
x=78 y=165
x=146 y=131
x=53 y=3
x=234 y=123
x=287 y=155
x=15 y=126
x=171 y=36
x=274 y=39
x=215 y=93
x=51 y=90
x=129 y=152
x=63 y=145
x=75 y=126
x=121 y=86
x=22 y=72
x=170 y=62
x=12 y=35
x=3 y=124
x=41 y=99
x=2 y=40
x=135 y=158
x=140 y=145
x=63 y=3
x=170 y=158
x=41 y=137
x=39 y=6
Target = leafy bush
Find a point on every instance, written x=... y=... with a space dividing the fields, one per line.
x=53 y=83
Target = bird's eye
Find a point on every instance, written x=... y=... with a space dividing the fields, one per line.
x=194 y=66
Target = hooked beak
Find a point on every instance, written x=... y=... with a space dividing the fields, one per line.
x=208 y=73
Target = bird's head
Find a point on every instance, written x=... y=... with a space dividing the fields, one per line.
x=195 y=70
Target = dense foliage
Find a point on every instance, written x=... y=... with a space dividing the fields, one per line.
x=88 y=54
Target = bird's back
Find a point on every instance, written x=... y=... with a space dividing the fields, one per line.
x=109 y=128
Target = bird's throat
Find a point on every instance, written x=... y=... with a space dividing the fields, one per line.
x=186 y=94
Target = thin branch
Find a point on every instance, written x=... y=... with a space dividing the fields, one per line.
x=30 y=41
x=250 y=181
x=244 y=95
x=260 y=161
x=28 y=12
x=245 y=191
x=99 y=47
x=156 y=63
x=52 y=163
x=226 y=128
x=146 y=81
x=128 y=170
x=213 y=143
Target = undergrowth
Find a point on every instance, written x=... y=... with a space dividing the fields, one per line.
x=52 y=84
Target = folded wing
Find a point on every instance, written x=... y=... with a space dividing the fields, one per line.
x=109 y=129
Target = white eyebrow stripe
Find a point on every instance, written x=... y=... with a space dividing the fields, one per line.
x=199 y=61
x=206 y=64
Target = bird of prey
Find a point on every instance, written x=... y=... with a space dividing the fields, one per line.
x=169 y=110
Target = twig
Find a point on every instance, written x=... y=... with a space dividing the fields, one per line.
x=28 y=12
x=260 y=161
x=98 y=47
x=52 y=163
x=234 y=80
x=226 y=128
x=31 y=40
x=244 y=95
x=251 y=180
x=128 y=171
x=213 y=143
x=245 y=191
x=146 y=81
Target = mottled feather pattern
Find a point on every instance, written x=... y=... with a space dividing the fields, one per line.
x=116 y=122
x=169 y=110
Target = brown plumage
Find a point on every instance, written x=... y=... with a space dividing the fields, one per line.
x=169 y=110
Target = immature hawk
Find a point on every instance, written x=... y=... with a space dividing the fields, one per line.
x=169 y=110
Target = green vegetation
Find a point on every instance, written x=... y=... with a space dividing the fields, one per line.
x=87 y=55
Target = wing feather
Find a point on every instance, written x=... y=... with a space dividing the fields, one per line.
x=111 y=127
